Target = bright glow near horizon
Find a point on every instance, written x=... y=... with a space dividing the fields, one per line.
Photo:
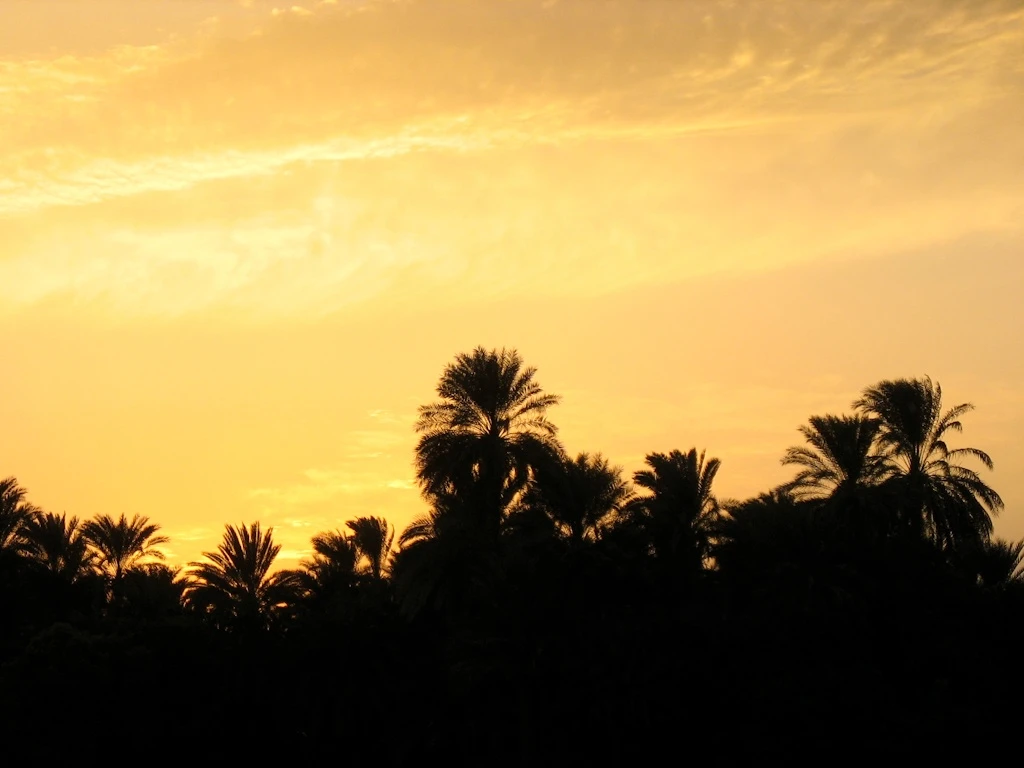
x=239 y=242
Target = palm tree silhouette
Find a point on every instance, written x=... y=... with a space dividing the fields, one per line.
x=332 y=569
x=784 y=552
x=997 y=563
x=445 y=560
x=839 y=459
x=57 y=544
x=234 y=587
x=15 y=512
x=938 y=497
x=372 y=537
x=152 y=590
x=121 y=544
x=680 y=507
x=488 y=432
x=578 y=495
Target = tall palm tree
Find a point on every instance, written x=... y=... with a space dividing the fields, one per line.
x=372 y=537
x=234 y=586
x=579 y=495
x=839 y=458
x=57 y=544
x=15 y=512
x=679 y=508
x=938 y=496
x=120 y=544
x=487 y=433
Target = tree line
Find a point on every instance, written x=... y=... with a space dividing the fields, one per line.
x=548 y=608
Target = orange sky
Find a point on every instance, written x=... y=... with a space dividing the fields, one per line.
x=239 y=243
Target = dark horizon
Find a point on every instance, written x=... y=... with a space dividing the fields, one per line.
x=547 y=608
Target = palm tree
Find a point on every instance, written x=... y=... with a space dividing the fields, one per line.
x=488 y=432
x=58 y=545
x=235 y=587
x=332 y=569
x=679 y=509
x=840 y=458
x=121 y=544
x=784 y=553
x=15 y=512
x=152 y=590
x=939 y=497
x=997 y=563
x=445 y=560
x=372 y=537
x=578 y=495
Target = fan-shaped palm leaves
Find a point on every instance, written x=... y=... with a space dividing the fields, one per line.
x=487 y=433
x=579 y=495
x=680 y=507
x=120 y=544
x=997 y=563
x=840 y=457
x=235 y=587
x=57 y=544
x=15 y=512
x=332 y=569
x=153 y=590
x=372 y=537
x=938 y=496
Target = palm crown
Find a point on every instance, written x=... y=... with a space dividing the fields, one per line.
x=839 y=457
x=488 y=431
x=680 y=506
x=120 y=544
x=235 y=583
x=945 y=500
x=15 y=512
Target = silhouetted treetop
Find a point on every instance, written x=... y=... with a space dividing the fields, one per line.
x=234 y=586
x=679 y=508
x=58 y=544
x=839 y=457
x=120 y=544
x=487 y=432
x=937 y=495
x=579 y=495
x=14 y=513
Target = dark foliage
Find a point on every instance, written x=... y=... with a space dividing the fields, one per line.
x=541 y=612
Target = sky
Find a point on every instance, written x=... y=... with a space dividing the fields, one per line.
x=240 y=241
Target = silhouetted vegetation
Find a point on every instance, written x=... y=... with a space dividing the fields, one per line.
x=545 y=610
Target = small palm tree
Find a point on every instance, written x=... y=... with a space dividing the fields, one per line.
x=680 y=507
x=154 y=590
x=372 y=537
x=487 y=434
x=840 y=457
x=121 y=544
x=15 y=512
x=938 y=496
x=57 y=544
x=997 y=563
x=332 y=569
x=579 y=495
x=235 y=587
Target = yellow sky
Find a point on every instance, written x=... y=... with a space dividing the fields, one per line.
x=239 y=242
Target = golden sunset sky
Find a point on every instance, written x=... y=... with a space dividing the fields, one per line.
x=239 y=242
